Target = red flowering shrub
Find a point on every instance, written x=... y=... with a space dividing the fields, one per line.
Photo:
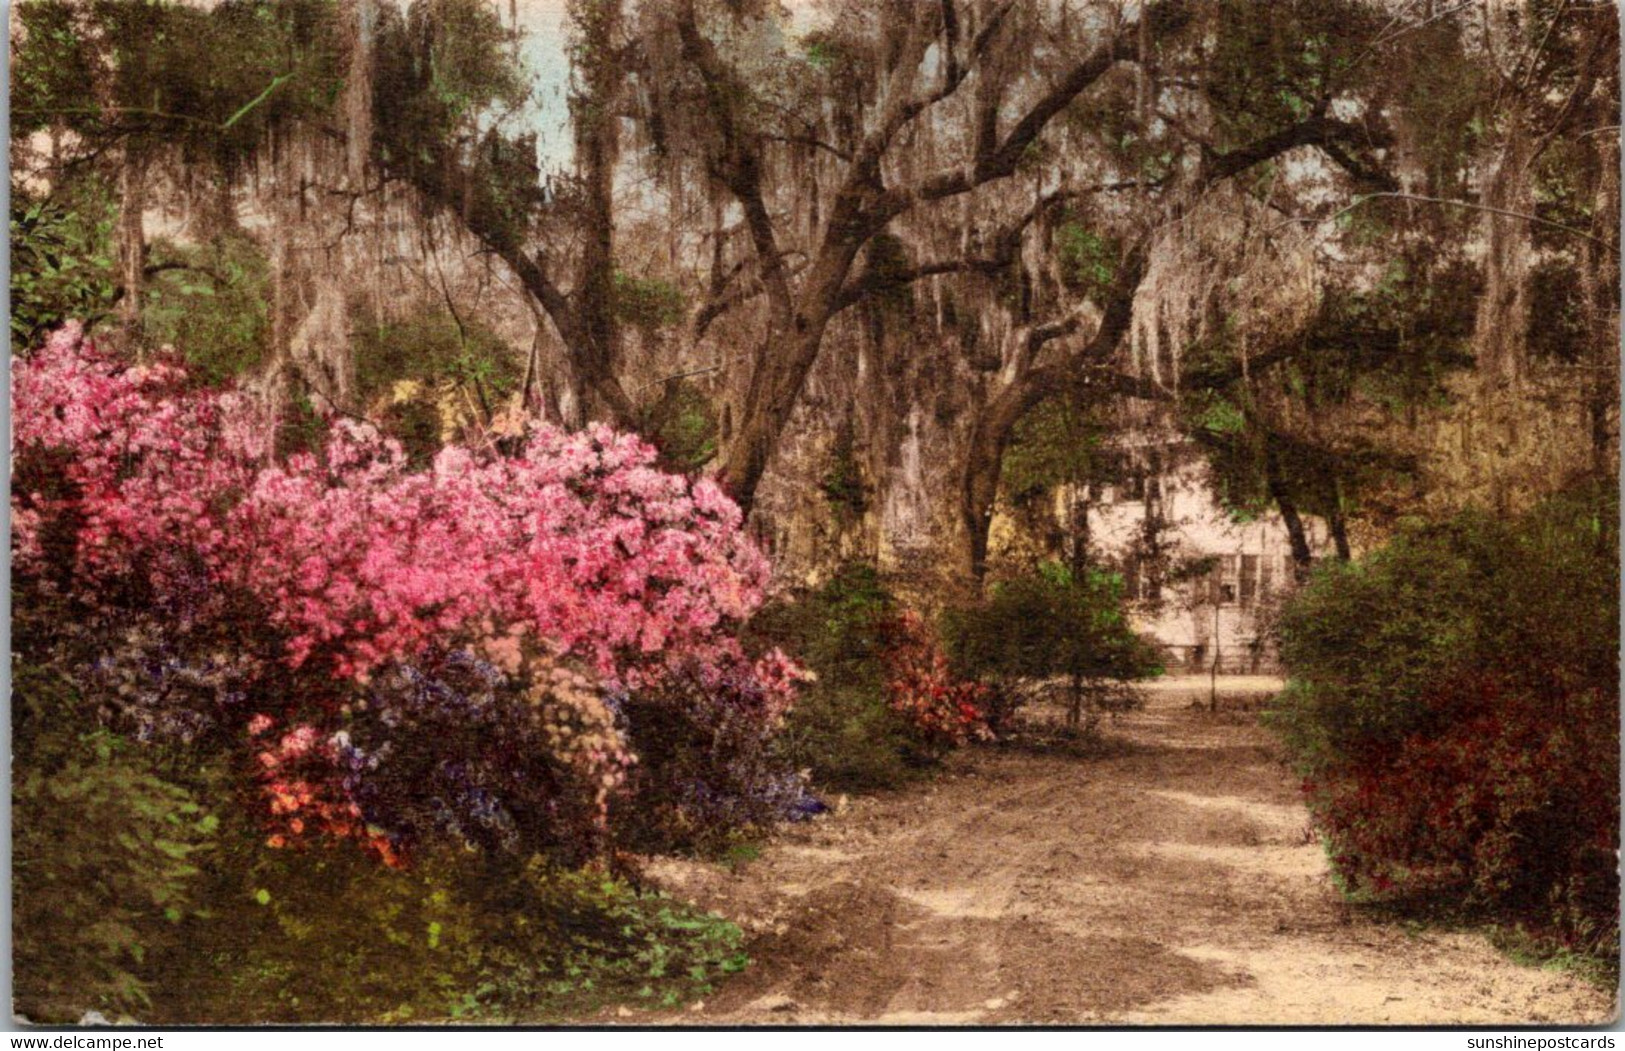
x=943 y=711
x=1511 y=807
x=469 y=623
x=1460 y=740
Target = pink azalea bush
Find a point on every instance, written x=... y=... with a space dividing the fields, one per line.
x=344 y=570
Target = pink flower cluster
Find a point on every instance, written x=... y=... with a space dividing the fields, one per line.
x=578 y=541
x=144 y=468
x=570 y=545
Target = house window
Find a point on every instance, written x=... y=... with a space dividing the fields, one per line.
x=1266 y=574
x=1224 y=582
x=1249 y=579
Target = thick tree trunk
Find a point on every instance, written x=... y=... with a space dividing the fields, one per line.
x=1338 y=522
x=793 y=344
x=984 y=464
x=597 y=142
x=1501 y=332
x=1340 y=536
x=361 y=20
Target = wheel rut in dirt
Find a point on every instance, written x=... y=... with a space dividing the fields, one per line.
x=1171 y=878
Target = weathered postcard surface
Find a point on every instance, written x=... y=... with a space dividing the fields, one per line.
x=806 y=512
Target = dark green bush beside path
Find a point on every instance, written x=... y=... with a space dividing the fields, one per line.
x=841 y=728
x=1050 y=623
x=1454 y=708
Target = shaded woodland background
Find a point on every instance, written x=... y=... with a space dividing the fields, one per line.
x=852 y=259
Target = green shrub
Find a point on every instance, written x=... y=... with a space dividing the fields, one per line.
x=142 y=888
x=848 y=738
x=709 y=770
x=842 y=729
x=105 y=860
x=61 y=260
x=1050 y=623
x=211 y=302
x=647 y=303
x=1454 y=709
x=331 y=936
x=452 y=361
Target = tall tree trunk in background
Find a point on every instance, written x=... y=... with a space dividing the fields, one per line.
x=360 y=19
x=794 y=336
x=132 y=241
x=1501 y=332
x=594 y=107
x=984 y=462
x=1340 y=535
x=1600 y=295
x=867 y=200
x=1338 y=521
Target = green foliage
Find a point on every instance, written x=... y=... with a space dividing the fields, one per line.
x=842 y=484
x=330 y=936
x=168 y=82
x=848 y=738
x=464 y=54
x=443 y=79
x=1267 y=67
x=1056 y=443
x=822 y=51
x=1454 y=707
x=61 y=260
x=1558 y=300
x=1441 y=96
x=1369 y=642
x=1088 y=259
x=1390 y=347
x=210 y=301
x=1050 y=623
x=51 y=65
x=682 y=426
x=432 y=347
x=841 y=728
x=451 y=360
x=647 y=303
x=105 y=860
x=302 y=428
x=836 y=629
x=141 y=888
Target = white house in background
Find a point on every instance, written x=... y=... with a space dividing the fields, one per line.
x=1167 y=518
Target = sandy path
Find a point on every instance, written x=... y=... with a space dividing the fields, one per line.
x=1169 y=880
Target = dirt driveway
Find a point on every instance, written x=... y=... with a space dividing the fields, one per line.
x=1169 y=880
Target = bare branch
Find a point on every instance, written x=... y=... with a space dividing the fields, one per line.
x=998 y=157
x=1454 y=203
x=1006 y=245
x=740 y=165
